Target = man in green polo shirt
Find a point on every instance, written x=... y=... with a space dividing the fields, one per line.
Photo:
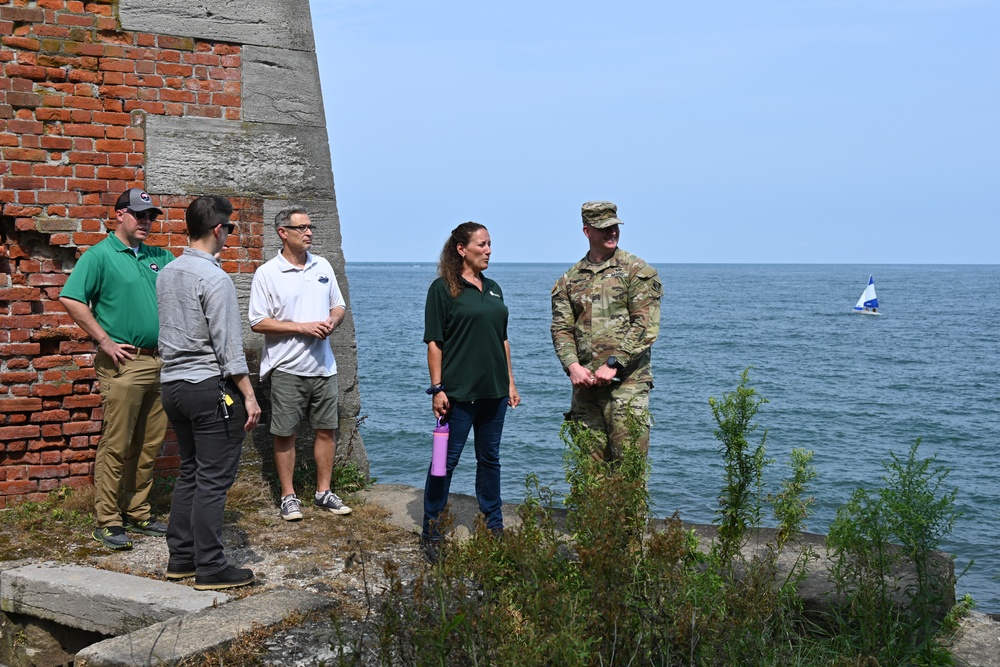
x=111 y=294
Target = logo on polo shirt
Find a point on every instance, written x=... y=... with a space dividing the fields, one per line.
x=154 y=267
x=323 y=278
x=492 y=293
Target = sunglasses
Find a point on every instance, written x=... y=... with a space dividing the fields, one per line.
x=144 y=215
x=230 y=227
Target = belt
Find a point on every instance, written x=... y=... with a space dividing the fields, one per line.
x=147 y=351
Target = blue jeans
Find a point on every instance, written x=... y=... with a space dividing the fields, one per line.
x=485 y=418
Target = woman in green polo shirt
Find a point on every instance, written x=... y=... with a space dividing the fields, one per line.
x=472 y=383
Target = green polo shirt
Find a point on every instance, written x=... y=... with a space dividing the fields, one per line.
x=471 y=330
x=120 y=288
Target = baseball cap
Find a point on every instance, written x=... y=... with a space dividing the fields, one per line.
x=600 y=214
x=137 y=200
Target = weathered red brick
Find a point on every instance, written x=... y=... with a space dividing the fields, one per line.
x=56 y=143
x=175 y=43
x=25 y=126
x=62 y=389
x=80 y=102
x=24 y=98
x=111 y=118
x=73 y=19
x=173 y=69
x=8 y=405
x=86 y=239
x=47 y=472
x=20 y=322
x=19 y=350
x=77 y=428
x=51 y=457
x=18 y=294
x=80 y=130
x=17 y=432
x=48 y=114
x=26 y=154
x=111 y=146
x=87 y=158
x=53 y=361
x=22 y=14
x=17 y=488
x=50 y=416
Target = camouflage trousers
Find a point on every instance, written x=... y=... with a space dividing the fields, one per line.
x=608 y=411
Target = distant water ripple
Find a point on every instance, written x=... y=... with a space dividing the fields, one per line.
x=851 y=388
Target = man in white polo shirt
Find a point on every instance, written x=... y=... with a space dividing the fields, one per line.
x=296 y=303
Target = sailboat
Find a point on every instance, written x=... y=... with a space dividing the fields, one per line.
x=868 y=303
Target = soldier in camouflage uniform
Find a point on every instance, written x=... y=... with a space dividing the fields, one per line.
x=605 y=318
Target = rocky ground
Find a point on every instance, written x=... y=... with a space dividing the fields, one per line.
x=344 y=557
x=347 y=558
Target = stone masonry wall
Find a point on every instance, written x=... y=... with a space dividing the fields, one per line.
x=181 y=99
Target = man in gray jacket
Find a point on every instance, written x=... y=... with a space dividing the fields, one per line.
x=206 y=394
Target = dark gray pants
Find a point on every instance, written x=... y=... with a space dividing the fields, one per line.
x=210 y=454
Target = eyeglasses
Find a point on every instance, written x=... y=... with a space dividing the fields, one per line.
x=144 y=215
x=230 y=227
x=302 y=229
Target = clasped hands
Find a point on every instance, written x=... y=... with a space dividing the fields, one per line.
x=582 y=377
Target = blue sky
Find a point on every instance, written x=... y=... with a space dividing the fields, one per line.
x=832 y=131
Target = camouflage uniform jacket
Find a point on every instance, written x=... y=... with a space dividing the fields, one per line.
x=612 y=308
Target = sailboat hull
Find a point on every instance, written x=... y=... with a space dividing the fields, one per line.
x=865 y=312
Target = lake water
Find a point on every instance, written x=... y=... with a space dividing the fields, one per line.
x=851 y=388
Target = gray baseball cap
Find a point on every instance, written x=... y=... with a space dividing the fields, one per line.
x=600 y=214
x=136 y=199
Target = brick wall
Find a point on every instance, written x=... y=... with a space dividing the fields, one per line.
x=75 y=91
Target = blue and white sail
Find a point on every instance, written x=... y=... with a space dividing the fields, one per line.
x=868 y=303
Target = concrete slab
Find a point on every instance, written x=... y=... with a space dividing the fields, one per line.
x=200 y=156
x=406 y=507
x=287 y=24
x=977 y=643
x=97 y=600
x=208 y=630
x=281 y=86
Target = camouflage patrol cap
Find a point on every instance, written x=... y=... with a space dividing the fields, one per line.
x=600 y=214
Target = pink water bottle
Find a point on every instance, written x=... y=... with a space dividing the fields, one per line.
x=439 y=457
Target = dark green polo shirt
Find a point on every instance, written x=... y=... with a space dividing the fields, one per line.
x=471 y=329
x=120 y=288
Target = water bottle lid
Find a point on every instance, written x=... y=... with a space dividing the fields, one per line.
x=442 y=427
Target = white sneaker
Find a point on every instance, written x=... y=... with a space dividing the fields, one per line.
x=291 y=508
x=328 y=500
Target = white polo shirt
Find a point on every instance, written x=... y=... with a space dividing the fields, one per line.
x=283 y=292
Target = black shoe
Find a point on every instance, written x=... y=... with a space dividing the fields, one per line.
x=178 y=572
x=113 y=537
x=497 y=533
x=432 y=549
x=231 y=577
x=149 y=526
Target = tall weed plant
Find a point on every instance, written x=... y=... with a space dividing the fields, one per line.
x=895 y=584
x=604 y=585
x=741 y=500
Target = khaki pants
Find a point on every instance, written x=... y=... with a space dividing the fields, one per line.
x=131 y=436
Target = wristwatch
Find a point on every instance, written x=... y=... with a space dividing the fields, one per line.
x=612 y=361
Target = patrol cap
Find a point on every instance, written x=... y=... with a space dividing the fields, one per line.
x=600 y=214
x=136 y=199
